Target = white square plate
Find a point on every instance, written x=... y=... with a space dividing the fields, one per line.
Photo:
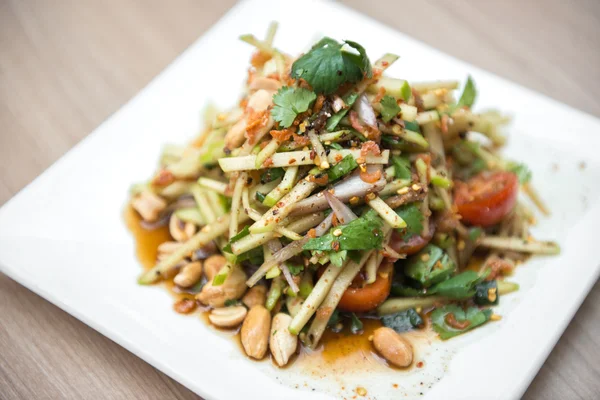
x=64 y=238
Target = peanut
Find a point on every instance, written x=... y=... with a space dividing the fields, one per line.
x=189 y=274
x=255 y=332
x=212 y=265
x=232 y=289
x=180 y=230
x=255 y=295
x=148 y=205
x=227 y=317
x=393 y=347
x=260 y=100
x=283 y=344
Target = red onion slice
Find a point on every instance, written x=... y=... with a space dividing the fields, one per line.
x=365 y=111
x=343 y=213
x=288 y=277
x=344 y=190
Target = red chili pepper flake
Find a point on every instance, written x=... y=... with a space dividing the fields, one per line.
x=268 y=162
x=185 y=306
x=451 y=320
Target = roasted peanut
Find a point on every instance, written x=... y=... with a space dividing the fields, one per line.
x=283 y=344
x=393 y=347
x=255 y=332
x=232 y=289
x=235 y=136
x=149 y=205
x=189 y=274
x=180 y=230
x=166 y=248
x=227 y=317
x=212 y=265
x=255 y=295
x=260 y=100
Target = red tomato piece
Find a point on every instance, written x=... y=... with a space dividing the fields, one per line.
x=363 y=298
x=412 y=245
x=487 y=198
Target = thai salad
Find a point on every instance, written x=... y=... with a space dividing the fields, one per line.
x=332 y=193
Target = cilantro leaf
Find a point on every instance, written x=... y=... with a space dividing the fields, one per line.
x=521 y=170
x=461 y=286
x=354 y=255
x=389 y=108
x=474 y=315
x=429 y=266
x=363 y=233
x=401 y=167
x=337 y=258
x=325 y=67
x=362 y=60
x=469 y=94
x=411 y=214
x=289 y=102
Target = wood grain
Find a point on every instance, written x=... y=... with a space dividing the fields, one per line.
x=65 y=66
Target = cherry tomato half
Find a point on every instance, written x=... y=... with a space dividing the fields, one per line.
x=412 y=245
x=363 y=298
x=486 y=198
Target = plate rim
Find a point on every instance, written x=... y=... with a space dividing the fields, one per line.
x=145 y=354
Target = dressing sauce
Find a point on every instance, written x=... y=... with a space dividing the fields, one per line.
x=343 y=351
x=146 y=241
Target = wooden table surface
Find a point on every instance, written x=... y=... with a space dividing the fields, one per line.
x=65 y=66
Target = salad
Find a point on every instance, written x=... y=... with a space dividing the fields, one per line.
x=332 y=193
